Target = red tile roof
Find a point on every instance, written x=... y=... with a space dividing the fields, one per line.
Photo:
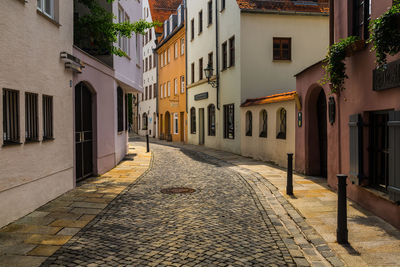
x=270 y=99
x=162 y=9
x=319 y=6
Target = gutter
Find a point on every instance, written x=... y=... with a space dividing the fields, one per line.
x=283 y=12
x=186 y=58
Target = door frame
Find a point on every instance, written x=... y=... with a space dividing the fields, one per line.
x=201 y=127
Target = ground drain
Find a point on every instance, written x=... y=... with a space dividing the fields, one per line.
x=177 y=190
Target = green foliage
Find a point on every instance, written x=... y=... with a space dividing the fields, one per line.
x=385 y=34
x=335 y=67
x=97 y=32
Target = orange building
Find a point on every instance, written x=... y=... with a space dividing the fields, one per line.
x=171 y=80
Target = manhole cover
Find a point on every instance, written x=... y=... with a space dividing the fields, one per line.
x=177 y=190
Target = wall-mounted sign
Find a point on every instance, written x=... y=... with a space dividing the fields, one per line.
x=201 y=96
x=300 y=119
x=387 y=78
x=332 y=110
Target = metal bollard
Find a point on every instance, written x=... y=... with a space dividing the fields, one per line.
x=147 y=143
x=289 y=185
x=342 y=232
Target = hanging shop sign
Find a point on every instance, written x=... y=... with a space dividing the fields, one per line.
x=300 y=119
x=387 y=78
x=72 y=63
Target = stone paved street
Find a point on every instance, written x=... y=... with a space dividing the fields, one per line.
x=222 y=223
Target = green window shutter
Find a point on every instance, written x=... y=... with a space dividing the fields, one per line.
x=394 y=156
x=356 y=149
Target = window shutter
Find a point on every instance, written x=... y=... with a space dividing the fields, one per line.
x=394 y=156
x=356 y=151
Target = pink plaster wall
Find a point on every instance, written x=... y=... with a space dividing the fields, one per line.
x=357 y=98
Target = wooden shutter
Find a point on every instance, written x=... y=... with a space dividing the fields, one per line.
x=394 y=155
x=356 y=149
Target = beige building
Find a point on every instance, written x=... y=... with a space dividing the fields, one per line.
x=255 y=48
x=36 y=107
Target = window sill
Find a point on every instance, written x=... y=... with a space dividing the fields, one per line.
x=379 y=193
x=282 y=60
x=23 y=1
x=224 y=69
x=48 y=139
x=11 y=143
x=200 y=33
x=48 y=18
x=27 y=141
x=138 y=66
x=209 y=25
x=232 y=66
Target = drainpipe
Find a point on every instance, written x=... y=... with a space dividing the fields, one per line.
x=331 y=22
x=186 y=54
x=217 y=50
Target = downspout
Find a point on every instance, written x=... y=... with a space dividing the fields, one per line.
x=217 y=50
x=186 y=54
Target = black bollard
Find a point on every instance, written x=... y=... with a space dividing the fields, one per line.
x=289 y=185
x=342 y=233
x=147 y=143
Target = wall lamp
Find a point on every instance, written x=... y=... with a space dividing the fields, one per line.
x=209 y=73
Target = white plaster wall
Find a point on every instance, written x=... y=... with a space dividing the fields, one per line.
x=149 y=106
x=33 y=174
x=269 y=149
x=261 y=75
x=200 y=47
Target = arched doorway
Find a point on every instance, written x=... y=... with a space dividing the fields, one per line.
x=317 y=139
x=83 y=131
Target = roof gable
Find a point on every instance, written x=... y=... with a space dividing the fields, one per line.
x=162 y=9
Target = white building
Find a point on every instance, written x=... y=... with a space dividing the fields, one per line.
x=36 y=105
x=261 y=45
x=147 y=115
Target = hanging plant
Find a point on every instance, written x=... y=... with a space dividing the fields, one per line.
x=385 y=35
x=335 y=67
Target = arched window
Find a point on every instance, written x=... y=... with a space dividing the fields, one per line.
x=120 y=109
x=281 y=124
x=193 y=120
x=211 y=120
x=144 y=121
x=263 y=124
x=249 y=123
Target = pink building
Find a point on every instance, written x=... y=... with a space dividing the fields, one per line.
x=101 y=96
x=357 y=132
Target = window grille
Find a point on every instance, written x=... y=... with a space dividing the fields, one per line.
x=47 y=117
x=31 y=117
x=10 y=116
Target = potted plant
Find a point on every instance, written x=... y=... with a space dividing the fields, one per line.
x=354 y=47
x=335 y=67
x=385 y=35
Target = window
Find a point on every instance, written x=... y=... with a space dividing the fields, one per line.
x=176 y=123
x=211 y=120
x=249 y=123
x=161 y=91
x=229 y=121
x=155 y=90
x=147 y=64
x=144 y=121
x=182 y=46
x=10 y=116
x=126 y=113
x=209 y=13
x=200 y=21
x=361 y=18
x=150 y=62
x=150 y=91
x=222 y=5
x=31 y=117
x=120 y=108
x=165 y=90
x=282 y=48
x=210 y=59
x=123 y=42
x=162 y=60
x=154 y=61
x=192 y=120
x=192 y=73
x=200 y=69
x=224 y=56
x=127 y=41
x=47 y=117
x=232 y=51
x=263 y=124
x=176 y=50
x=281 y=124
x=192 y=29
x=182 y=84
x=145 y=93
x=46 y=7
x=169 y=88
x=165 y=58
x=168 y=57
x=176 y=86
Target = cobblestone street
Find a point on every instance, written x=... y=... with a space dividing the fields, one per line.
x=222 y=223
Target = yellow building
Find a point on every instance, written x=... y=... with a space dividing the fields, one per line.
x=171 y=82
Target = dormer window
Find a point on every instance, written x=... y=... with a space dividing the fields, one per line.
x=165 y=28
x=179 y=15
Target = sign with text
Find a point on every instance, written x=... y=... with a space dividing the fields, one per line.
x=201 y=96
x=387 y=78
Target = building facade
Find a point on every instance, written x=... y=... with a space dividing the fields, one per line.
x=36 y=107
x=256 y=48
x=171 y=79
x=101 y=96
x=357 y=131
